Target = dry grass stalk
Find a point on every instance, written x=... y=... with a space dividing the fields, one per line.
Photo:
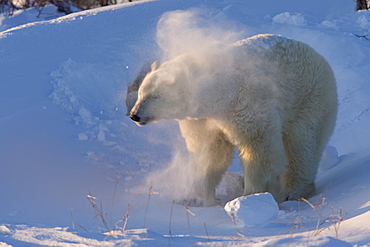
x=335 y=219
x=147 y=203
x=124 y=220
x=98 y=211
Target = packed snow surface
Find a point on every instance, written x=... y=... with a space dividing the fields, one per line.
x=75 y=170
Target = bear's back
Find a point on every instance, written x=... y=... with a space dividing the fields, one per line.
x=264 y=42
x=286 y=70
x=273 y=48
x=289 y=59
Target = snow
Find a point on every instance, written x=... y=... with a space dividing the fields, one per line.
x=255 y=210
x=64 y=133
x=291 y=19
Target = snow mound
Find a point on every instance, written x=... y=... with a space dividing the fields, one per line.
x=254 y=210
x=329 y=158
x=295 y=19
x=4 y=229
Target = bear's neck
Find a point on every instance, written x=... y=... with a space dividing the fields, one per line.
x=214 y=99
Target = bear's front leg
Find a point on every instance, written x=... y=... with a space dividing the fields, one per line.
x=264 y=161
x=210 y=156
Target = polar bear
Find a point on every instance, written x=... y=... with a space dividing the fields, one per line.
x=272 y=97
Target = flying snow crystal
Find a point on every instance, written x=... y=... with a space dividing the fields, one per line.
x=254 y=210
x=193 y=31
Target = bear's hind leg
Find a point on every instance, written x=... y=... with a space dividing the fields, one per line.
x=304 y=150
x=263 y=159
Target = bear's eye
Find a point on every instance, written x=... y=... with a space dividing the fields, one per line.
x=150 y=98
x=153 y=96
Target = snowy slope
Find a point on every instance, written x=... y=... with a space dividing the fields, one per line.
x=64 y=133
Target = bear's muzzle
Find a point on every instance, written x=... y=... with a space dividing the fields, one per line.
x=135 y=118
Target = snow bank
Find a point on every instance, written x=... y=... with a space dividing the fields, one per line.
x=255 y=210
x=25 y=16
x=301 y=241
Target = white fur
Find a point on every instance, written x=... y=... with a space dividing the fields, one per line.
x=273 y=98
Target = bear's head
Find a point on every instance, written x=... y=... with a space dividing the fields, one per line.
x=164 y=93
x=132 y=89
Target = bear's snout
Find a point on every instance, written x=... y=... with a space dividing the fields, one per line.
x=135 y=118
x=138 y=117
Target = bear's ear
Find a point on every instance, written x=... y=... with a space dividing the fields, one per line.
x=155 y=65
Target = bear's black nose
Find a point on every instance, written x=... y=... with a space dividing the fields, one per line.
x=135 y=118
